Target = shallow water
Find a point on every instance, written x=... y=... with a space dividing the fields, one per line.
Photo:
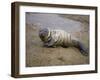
x=53 y=21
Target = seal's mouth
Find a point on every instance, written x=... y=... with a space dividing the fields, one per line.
x=43 y=36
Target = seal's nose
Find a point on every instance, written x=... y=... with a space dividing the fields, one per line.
x=43 y=35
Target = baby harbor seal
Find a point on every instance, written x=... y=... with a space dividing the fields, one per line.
x=54 y=38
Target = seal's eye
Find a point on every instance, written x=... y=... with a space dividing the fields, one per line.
x=43 y=32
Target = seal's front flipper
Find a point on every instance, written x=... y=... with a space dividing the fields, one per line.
x=83 y=49
x=50 y=43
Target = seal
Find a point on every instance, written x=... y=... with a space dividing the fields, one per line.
x=54 y=38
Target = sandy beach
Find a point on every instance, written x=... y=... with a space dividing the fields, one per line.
x=37 y=55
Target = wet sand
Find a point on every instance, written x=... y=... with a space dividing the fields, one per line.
x=37 y=55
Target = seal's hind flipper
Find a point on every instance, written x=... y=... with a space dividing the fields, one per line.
x=83 y=49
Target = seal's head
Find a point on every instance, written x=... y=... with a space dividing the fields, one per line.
x=44 y=34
